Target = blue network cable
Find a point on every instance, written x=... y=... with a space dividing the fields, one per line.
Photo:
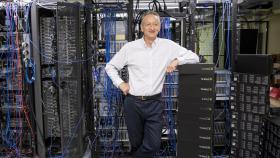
x=31 y=63
x=9 y=136
x=169 y=91
x=112 y=94
x=28 y=62
x=226 y=13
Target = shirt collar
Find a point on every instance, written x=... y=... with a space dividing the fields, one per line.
x=154 y=43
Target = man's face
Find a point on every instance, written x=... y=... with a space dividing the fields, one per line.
x=150 y=26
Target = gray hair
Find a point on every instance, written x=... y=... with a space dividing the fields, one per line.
x=150 y=12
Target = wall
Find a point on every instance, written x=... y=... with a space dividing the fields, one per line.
x=274 y=34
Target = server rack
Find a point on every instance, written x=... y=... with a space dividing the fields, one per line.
x=195 y=110
x=221 y=140
x=59 y=51
x=270 y=145
x=16 y=79
x=249 y=104
x=111 y=137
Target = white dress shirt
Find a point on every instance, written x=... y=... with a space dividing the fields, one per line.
x=147 y=66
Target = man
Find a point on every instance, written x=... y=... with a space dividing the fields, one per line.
x=147 y=60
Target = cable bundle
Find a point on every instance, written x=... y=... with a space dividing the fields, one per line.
x=16 y=129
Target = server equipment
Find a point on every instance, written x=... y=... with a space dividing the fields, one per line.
x=271 y=140
x=16 y=77
x=195 y=110
x=111 y=137
x=59 y=51
x=249 y=105
x=221 y=140
x=170 y=100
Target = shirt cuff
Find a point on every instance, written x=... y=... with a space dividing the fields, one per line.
x=180 y=60
x=118 y=82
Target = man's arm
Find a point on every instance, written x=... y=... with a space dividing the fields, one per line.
x=181 y=56
x=112 y=68
x=186 y=56
x=172 y=66
x=112 y=72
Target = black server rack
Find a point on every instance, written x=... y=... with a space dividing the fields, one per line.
x=195 y=110
x=59 y=51
x=271 y=138
x=249 y=104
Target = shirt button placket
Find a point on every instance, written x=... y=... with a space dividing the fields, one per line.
x=151 y=71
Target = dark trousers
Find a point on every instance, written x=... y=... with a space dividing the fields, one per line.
x=144 y=123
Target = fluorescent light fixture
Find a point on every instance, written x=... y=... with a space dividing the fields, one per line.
x=209 y=1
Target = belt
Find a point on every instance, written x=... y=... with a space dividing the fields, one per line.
x=151 y=97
